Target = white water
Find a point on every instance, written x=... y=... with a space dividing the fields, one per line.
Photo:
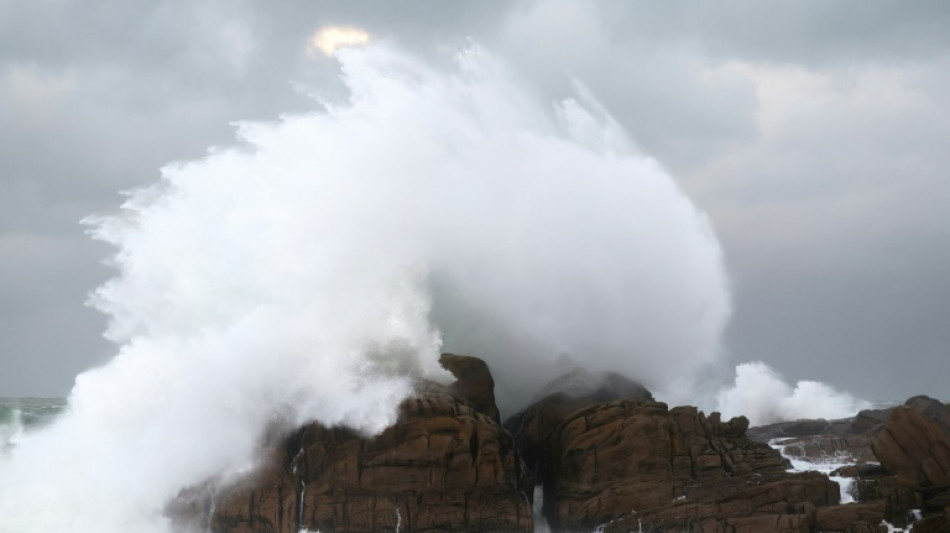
x=761 y=394
x=11 y=432
x=314 y=270
x=537 y=511
x=891 y=528
x=826 y=465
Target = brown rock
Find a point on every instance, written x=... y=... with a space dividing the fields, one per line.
x=534 y=428
x=914 y=443
x=898 y=500
x=474 y=382
x=814 y=440
x=607 y=456
x=869 y=421
x=938 y=500
x=846 y=517
x=446 y=465
x=816 y=448
x=933 y=524
x=629 y=464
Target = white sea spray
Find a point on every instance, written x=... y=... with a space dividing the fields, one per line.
x=315 y=270
x=761 y=394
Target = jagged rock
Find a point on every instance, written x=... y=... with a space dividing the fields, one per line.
x=934 y=524
x=815 y=448
x=628 y=464
x=815 y=440
x=874 y=484
x=534 y=427
x=474 y=382
x=608 y=458
x=869 y=421
x=854 y=517
x=446 y=465
x=914 y=443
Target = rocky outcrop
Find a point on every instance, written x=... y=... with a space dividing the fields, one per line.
x=873 y=484
x=914 y=444
x=870 y=421
x=900 y=461
x=534 y=428
x=447 y=465
x=632 y=464
x=473 y=382
x=819 y=439
x=607 y=457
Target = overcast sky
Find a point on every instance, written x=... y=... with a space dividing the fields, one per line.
x=815 y=134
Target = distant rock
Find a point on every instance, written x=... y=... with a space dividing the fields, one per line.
x=901 y=460
x=815 y=439
x=869 y=421
x=594 y=387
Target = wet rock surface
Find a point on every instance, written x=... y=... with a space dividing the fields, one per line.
x=607 y=457
x=535 y=428
x=899 y=458
x=818 y=440
x=914 y=445
x=685 y=470
x=636 y=464
x=447 y=465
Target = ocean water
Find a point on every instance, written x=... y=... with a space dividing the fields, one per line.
x=827 y=464
x=19 y=416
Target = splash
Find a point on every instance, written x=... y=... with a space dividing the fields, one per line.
x=318 y=268
x=764 y=397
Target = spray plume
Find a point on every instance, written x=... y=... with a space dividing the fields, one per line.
x=764 y=397
x=314 y=271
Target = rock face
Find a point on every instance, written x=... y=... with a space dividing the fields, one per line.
x=635 y=464
x=607 y=457
x=473 y=382
x=534 y=428
x=814 y=440
x=914 y=444
x=901 y=460
x=447 y=465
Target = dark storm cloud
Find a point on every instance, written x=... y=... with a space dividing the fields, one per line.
x=813 y=133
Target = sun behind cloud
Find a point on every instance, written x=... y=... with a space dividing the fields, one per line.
x=331 y=38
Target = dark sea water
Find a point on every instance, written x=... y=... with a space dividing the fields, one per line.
x=20 y=415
